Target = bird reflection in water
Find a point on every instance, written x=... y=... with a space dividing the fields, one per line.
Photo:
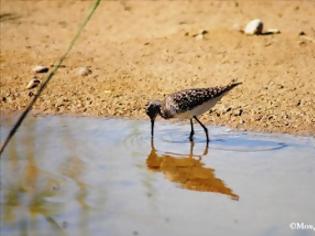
x=189 y=172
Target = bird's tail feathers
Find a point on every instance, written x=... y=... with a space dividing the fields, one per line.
x=233 y=84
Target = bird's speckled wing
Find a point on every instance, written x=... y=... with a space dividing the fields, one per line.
x=186 y=100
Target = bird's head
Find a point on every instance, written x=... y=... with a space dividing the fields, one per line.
x=153 y=108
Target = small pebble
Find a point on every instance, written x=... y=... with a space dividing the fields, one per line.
x=40 y=69
x=84 y=71
x=238 y=112
x=200 y=35
x=203 y=32
x=254 y=27
x=302 y=42
x=33 y=83
x=228 y=109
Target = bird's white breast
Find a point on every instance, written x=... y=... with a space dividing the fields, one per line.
x=198 y=110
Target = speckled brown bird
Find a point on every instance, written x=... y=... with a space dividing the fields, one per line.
x=187 y=104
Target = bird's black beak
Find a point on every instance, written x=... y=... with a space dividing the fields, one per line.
x=152 y=128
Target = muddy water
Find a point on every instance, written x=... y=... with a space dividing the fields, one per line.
x=88 y=176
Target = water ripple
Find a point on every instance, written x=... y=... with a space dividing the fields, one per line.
x=244 y=143
x=222 y=141
x=177 y=136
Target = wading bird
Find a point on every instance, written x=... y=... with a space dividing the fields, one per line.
x=187 y=104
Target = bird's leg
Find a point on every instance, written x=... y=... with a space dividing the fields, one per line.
x=152 y=128
x=191 y=151
x=205 y=152
x=204 y=127
x=192 y=132
x=152 y=143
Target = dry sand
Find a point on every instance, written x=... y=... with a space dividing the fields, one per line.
x=139 y=50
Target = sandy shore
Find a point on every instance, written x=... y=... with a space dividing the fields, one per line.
x=141 y=50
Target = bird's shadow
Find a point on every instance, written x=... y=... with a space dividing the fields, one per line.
x=188 y=171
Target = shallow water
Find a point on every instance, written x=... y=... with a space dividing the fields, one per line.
x=90 y=176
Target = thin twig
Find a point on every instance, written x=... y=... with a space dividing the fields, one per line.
x=48 y=78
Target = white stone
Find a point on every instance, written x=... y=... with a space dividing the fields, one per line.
x=254 y=27
x=84 y=71
x=40 y=69
x=33 y=83
x=199 y=37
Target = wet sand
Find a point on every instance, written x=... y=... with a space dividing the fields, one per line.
x=141 y=50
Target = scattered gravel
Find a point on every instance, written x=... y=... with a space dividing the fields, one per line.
x=145 y=61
